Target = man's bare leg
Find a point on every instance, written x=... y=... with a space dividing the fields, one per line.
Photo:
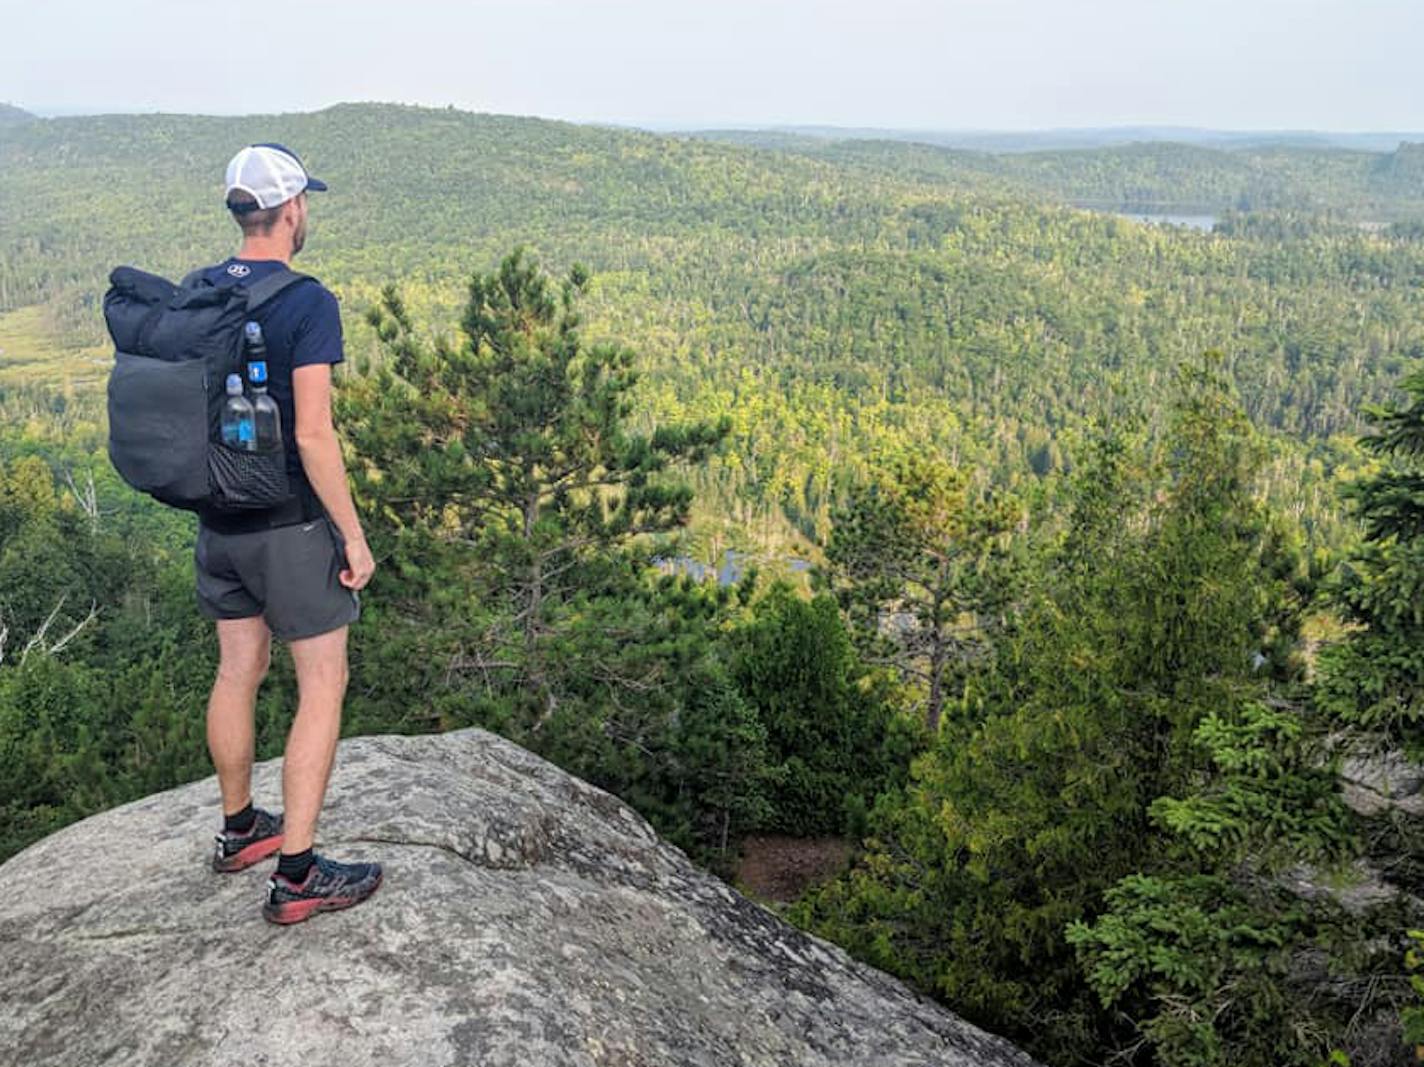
x=244 y=654
x=311 y=746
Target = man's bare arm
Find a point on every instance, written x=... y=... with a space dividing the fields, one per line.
x=321 y=459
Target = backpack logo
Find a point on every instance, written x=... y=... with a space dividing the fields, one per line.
x=239 y=270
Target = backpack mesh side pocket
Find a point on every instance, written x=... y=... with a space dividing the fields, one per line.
x=240 y=479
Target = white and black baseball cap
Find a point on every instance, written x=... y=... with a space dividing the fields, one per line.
x=270 y=173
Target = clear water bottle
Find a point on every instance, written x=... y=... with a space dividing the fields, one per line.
x=268 y=417
x=239 y=423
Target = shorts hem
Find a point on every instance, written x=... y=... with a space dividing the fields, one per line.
x=305 y=632
x=215 y=616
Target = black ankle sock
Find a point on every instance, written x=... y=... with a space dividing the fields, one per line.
x=240 y=822
x=294 y=867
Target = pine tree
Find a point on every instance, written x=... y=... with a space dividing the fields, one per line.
x=505 y=481
x=920 y=568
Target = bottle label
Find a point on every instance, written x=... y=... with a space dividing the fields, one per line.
x=239 y=433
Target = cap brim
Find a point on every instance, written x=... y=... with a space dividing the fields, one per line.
x=316 y=183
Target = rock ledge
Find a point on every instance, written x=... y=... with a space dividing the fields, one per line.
x=527 y=918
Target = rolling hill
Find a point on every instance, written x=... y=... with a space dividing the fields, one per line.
x=837 y=298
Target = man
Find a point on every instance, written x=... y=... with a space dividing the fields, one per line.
x=292 y=571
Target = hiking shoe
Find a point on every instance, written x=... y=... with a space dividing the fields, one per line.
x=234 y=851
x=329 y=886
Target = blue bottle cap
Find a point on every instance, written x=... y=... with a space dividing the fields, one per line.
x=257 y=371
x=234 y=385
x=253 y=332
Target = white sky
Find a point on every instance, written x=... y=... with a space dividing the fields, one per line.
x=953 y=64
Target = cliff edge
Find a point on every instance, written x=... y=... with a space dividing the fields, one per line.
x=527 y=918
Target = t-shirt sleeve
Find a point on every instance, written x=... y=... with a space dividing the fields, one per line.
x=317 y=338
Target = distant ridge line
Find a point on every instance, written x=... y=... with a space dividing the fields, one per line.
x=1084 y=137
x=971 y=138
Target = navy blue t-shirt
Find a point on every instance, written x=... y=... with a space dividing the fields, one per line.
x=301 y=325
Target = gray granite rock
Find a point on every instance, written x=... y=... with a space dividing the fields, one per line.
x=1373 y=782
x=1357 y=889
x=526 y=918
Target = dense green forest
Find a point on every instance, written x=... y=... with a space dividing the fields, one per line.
x=1114 y=530
x=1363 y=187
x=882 y=290
x=1063 y=139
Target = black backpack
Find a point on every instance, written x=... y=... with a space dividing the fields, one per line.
x=174 y=346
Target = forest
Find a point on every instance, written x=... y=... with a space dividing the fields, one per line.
x=1115 y=531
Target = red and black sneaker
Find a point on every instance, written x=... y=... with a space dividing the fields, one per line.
x=328 y=886
x=233 y=851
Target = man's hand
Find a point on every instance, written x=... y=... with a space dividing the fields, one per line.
x=360 y=565
x=321 y=459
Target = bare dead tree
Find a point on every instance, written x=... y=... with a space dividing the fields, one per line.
x=87 y=497
x=39 y=639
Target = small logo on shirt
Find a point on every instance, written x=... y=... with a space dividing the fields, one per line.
x=239 y=270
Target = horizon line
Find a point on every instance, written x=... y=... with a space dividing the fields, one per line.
x=742 y=125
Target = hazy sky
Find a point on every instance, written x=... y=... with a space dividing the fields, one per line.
x=953 y=64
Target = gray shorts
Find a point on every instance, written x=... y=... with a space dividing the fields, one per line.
x=286 y=574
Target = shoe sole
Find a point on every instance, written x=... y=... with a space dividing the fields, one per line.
x=300 y=910
x=253 y=853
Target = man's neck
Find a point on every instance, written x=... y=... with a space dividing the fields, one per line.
x=265 y=248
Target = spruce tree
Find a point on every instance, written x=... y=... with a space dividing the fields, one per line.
x=1153 y=611
x=1373 y=682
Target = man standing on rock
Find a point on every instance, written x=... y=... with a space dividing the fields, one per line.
x=292 y=571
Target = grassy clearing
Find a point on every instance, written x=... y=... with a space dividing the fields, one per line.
x=30 y=355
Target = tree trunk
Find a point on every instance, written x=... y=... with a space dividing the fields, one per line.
x=936 y=699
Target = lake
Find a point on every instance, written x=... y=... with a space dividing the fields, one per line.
x=1192 y=222
x=730 y=571
x=1183 y=216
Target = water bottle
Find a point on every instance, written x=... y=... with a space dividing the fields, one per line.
x=256 y=346
x=268 y=418
x=239 y=424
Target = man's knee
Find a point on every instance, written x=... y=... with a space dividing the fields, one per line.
x=334 y=675
x=321 y=662
x=244 y=651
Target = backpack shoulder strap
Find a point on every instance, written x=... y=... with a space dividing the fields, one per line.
x=259 y=292
x=191 y=279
